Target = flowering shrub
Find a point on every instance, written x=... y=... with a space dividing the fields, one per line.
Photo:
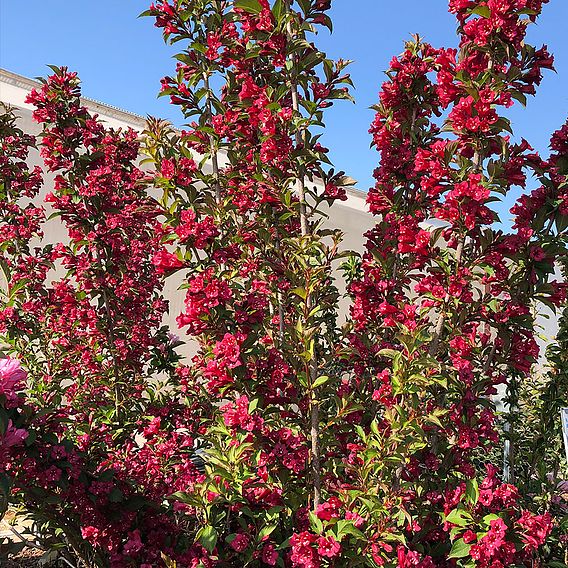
x=287 y=440
x=437 y=330
x=98 y=462
x=535 y=432
x=434 y=360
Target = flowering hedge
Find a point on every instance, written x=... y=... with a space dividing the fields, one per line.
x=97 y=464
x=289 y=439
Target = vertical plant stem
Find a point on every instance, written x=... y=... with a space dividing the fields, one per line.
x=305 y=231
x=112 y=343
x=301 y=189
x=212 y=147
x=433 y=348
x=117 y=389
x=316 y=465
x=280 y=299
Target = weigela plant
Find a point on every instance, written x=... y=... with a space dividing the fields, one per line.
x=85 y=318
x=260 y=298
x=286 y=440
x=443 y=308
x=535 y=432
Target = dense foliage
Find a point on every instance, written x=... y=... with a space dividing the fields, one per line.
x=289 y=439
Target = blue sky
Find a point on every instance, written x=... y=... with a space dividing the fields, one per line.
x=121 y=58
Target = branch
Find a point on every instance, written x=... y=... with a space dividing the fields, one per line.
x=213 y=150
x=313 y=366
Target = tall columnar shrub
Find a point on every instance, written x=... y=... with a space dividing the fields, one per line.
x=444 y=313
x=84 y=317
x=260 y=297
x=537 y=458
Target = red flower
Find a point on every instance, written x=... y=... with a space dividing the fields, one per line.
x=328 y=547
x=240 y=542
x=269 y=555
x=330 y=509
x=165 y=261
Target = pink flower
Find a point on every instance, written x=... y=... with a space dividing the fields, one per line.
x=333 y=191
x=237 y=415
x=358 y=521
x=91 y=534
x=133 y=544
x=328 y=547
x=535 y=528
x=11 y=369
x=228 y=350
x=12 y=377
x=496 y=535
x=330 y=509
x=168 y=168
x=469 y=537
x=165 y=261
x=303 y=554
x=269 y=555
x=13 y=436
x=240 y=542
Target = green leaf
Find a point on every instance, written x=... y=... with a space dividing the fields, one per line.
x=361 y=433
x=561 y=223
x=135 y=503
x=375 y=428
x=433 y=419
x=116 y=495
x=347 y=527
x=458 y=517
x=168 y=561
x=208 y=538
x=459 y=549
x=305 y=5
x=316 y=523
x=493 y=305
x=389 y=353
x=321 y=381
x=472 y=491
x=521 y=97
x=5 y=484
x=106 y=475
x=562 y=164
x=300 y=292
x=251 y=6
x=266 y=531
x=483 y=11
x=491 y=517
x=278 y=10
x=181 y=496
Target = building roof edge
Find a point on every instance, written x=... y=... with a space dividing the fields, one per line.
x=28 y=84
x=23 y=82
